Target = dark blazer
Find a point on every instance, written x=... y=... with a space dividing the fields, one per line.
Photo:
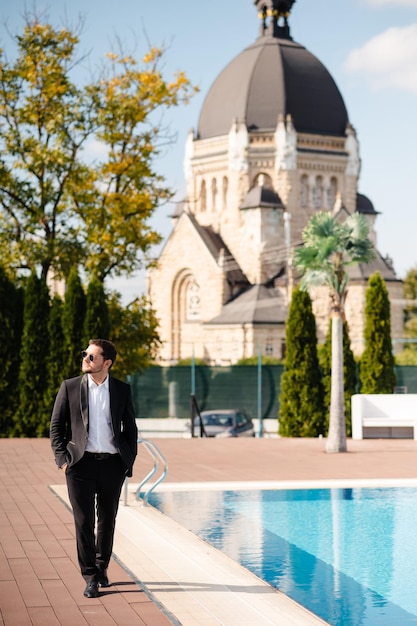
x=69 y=421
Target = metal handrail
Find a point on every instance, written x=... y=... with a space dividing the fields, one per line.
x=155 y=454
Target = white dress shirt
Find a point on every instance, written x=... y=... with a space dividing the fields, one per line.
x=100 y=432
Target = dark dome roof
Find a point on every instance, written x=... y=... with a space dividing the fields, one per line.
x=364 y=205
x=272 y=77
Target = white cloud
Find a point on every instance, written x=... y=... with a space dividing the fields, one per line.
x=389 y=59
x=392 y=3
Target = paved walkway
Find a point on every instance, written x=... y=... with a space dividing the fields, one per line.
x=39 y=578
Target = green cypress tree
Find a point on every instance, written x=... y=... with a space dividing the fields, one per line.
x=32 y=419
x=302 y=411
x=134 y=329
x=97 y=319
x=73 y=324
x=56 y=346
x=11 y=314
x=349 y=374
x=376 y=370
x=409 y=354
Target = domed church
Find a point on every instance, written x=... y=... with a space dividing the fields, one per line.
x=273 y=145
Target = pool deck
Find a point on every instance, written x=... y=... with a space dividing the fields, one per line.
x=161 y=573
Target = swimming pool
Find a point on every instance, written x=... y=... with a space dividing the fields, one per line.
x=349 y=555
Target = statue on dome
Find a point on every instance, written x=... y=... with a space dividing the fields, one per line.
x=270 y=12
x=284 y=7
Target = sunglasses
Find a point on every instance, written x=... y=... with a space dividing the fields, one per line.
x=91 y=357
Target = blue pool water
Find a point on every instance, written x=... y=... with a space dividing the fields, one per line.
x=348 y=555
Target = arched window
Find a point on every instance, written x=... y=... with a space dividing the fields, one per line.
x=203 y=196
x=185 y=308
x=304 y=191
x=192 y=302
x=332 y=192
x=318 y=193
x=269 y=346
x=225 y=188
x=263 y=180
x=213 y=194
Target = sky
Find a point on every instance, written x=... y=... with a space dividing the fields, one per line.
x=368 y=46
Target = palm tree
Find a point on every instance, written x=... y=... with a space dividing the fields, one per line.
x=330 y=246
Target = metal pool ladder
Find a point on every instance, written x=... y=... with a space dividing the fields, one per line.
x=157 y=457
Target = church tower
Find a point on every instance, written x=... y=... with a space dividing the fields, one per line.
x=273 y=145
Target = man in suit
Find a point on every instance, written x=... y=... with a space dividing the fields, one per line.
x=94 y=439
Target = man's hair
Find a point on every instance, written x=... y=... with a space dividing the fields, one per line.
x=107 y=347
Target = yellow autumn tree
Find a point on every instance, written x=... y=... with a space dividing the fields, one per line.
x=59 y=209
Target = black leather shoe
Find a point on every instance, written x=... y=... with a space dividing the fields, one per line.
x=102 y=579
x=91 y=591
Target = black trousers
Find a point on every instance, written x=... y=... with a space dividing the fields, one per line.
x=95 y=486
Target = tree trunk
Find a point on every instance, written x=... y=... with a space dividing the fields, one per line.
x=336 y=440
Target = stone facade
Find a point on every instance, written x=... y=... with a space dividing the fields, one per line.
x=250 y=193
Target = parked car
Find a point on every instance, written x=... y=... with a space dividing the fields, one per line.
x=225 y=423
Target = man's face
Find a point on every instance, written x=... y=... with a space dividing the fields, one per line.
x=94 y=362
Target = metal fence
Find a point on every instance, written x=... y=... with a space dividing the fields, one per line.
x=407 y=377
x=166 y=391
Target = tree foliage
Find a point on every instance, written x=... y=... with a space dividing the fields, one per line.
x=410 y=316
x=55 y=352
x=302 y=412
x=134 y=332
x=97 y=319
x=11 y=314
x=265 y=360
x=330 y=247
x=377 y=363
x=78 y=186
x=34 y=365
x=42 y=130
x=32 y=418
x=73 y=317
x=59 y=208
